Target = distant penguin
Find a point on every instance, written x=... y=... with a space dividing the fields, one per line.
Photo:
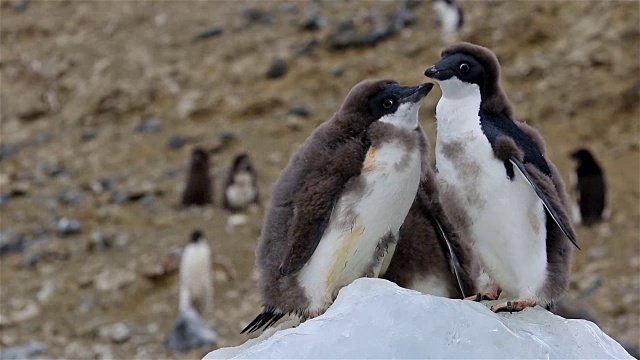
x=196 y=282
x=520 y=224
x=337 y=207
x=449 y=15
x=195 y=298
x=591 y=189
x=432 y=256
x=198 y=188
x=241 y=188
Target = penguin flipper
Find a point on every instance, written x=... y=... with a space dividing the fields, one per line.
x=453 y=257
x=269 y=316
x=543 y=197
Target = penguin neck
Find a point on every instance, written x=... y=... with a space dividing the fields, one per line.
x=458 y=111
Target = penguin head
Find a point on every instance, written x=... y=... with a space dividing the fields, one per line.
x=384 y=100
x=196 y=236
x=199 y=159
x=241 y=162
x=465 y=68
x=583 y=156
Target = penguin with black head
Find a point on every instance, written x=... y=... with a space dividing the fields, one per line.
x=241 y=188
x=337 y=207
x=512 y=193
x=591 y=189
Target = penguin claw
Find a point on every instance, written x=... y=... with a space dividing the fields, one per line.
x=513 y=306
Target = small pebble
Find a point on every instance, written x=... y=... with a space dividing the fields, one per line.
x=68 y=226
x=176 y=142
x=7 y=151
x=149 y=125
x=11 y=242
x=300 y=110
x=277 y=69
x=69 y=196
x=208 y=33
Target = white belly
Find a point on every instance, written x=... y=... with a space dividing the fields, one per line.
x=508 y=222
x=359 y=220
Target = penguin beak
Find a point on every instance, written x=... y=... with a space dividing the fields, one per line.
x=431 y=71
x=416 y=93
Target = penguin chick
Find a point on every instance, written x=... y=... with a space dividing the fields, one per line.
x=591 y=188
x=241 y=188
x=431 y=256
x=513 y=194
x=196 y=282
x=337 y=207
x=198 y=189
x=449 y=15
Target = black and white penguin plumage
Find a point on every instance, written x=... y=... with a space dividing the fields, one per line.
x=198 y=189
x=591 y=189
x=449 y=15
x=513 y=195
x=432 y=255
x=196 y=298
x=337 y=207
x=196 y=281
x=241 y=188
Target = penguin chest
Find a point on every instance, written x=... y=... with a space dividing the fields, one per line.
x=242 y=191
x=364 y=224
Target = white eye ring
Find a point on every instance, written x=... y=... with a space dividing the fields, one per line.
x=388 y=103
x=464 y=68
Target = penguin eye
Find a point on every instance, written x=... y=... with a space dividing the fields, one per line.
x=464 y=68
x=388 y=103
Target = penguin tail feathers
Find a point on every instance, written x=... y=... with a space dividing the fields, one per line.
x=269 y=316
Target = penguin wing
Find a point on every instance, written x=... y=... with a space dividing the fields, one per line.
x=521 y=147
x=544 y=198
x=319 y=190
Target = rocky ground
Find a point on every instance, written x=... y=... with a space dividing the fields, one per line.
x=102 y=103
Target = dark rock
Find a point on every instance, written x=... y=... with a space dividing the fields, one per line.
x=118 y=197
x=69 y=196
x=68 y=226
x=27 y=351
x=4 y=199
x=306 y=47
x=344 y=36
x=88 y=134
x=173 y=172
x=313 y=22
x=54 y=169
x=255 y=15
x=277 y=68
x=190 y=332
x=86 y=304
x=300 y=110
x=22 y=6
x=149 y=125
x=400 y=20
x=7 y=151
x=176 y=142
x=411 y=4
x=208 y=33
x=11 y=242
x=338 y=70
x=373 y=36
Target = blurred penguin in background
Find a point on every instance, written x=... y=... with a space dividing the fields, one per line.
x=241 y=188
x=196 y=298
x=449 y=16
x=591 y=189
x=198 y=189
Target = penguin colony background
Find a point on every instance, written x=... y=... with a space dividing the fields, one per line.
x=478 y=211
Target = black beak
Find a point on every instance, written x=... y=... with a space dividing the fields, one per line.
x=417 y=93
x=431 y=71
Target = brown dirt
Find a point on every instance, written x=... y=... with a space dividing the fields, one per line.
x=571 y=68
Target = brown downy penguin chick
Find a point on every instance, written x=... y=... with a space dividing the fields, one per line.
x=591 y=188
x=432 y=256
x=241 y=188
x=337 y=207
x=198 y=189
x=512 y=193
